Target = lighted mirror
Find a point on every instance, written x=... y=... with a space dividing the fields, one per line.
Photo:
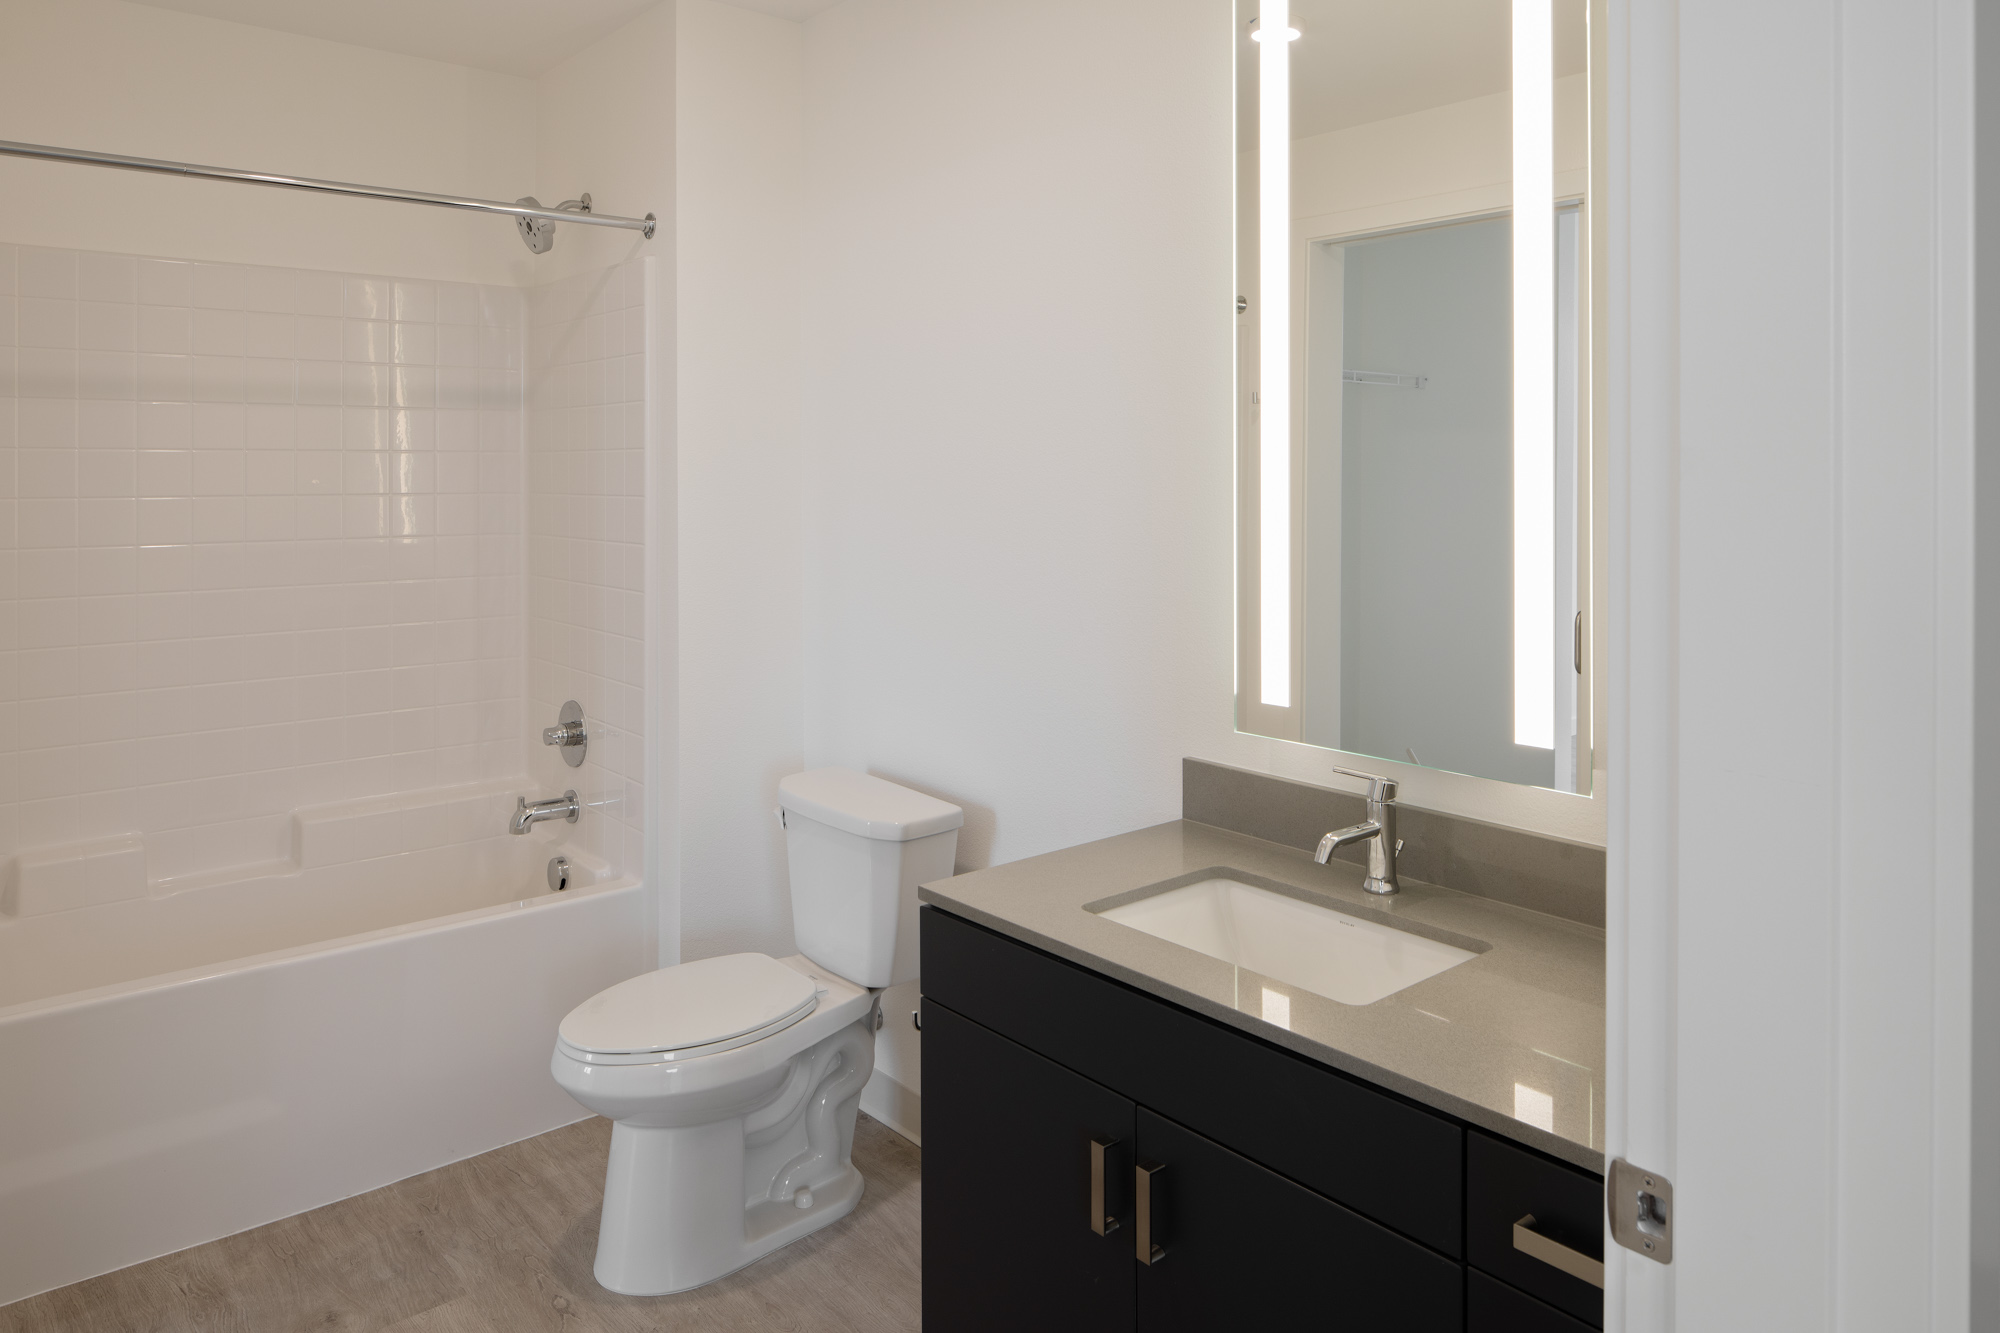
x=1414 y=436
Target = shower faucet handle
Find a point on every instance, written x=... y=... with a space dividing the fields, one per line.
x=568 y=733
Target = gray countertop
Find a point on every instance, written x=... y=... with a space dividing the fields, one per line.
x=1511 y=1040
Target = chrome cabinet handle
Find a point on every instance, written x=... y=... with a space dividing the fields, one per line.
x=1101 y=1220
x=1557 y=1255
x=1144 y=1175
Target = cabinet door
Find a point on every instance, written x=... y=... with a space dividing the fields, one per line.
x=1008 y=1237
x=1241 y=1247
x=1506 y=1184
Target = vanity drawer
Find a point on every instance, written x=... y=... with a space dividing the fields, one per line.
x=1372 y=1151
x=1504 y=1185
x=1492 y=1306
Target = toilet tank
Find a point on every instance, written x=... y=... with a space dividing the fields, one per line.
x=857 y=848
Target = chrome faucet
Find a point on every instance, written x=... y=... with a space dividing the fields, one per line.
x=1379 y=827
x=527 y=812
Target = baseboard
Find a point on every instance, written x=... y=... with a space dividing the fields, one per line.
x=895 y=1106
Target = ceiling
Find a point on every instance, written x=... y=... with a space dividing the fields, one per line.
x=1362 y=60
x=524 y=37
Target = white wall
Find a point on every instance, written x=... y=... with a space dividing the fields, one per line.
x=124 y=78
x=695 y=111
x=1018 y=549
x=739 y=155
x=1018 y=459
x=604 y=123
x=1019 y=415
x=586 y=546
x=1018 y=487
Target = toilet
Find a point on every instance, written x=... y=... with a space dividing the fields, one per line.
x=732 y=1082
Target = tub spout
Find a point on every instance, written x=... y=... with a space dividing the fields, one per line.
x=526 y=812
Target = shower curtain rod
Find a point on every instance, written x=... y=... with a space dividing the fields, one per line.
x=535 y=222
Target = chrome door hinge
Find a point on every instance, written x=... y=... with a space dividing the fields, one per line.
x=1642 y=1210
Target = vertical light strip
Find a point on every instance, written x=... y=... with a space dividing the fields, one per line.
x=1534 y=374
x=1274 y=351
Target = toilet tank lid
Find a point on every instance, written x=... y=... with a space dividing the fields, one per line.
x=857 y=803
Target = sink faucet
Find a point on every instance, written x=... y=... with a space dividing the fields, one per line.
x=1379 y=828
x=527 y=812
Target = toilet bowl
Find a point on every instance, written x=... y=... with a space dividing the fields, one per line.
x=724 y=1149
x=732 y=1083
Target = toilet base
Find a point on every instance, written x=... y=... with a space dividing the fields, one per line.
x=769 y=1227
x=685 y=1204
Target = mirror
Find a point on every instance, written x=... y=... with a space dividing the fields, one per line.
x=1414 y=440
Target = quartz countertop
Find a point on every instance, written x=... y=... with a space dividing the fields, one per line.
x=1511 y=1040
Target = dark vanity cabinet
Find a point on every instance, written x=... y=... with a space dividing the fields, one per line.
x=1009 y=1198
x=1096 y=1158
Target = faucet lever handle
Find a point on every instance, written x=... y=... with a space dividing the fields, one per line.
x=1379 y=787
x=569 y=732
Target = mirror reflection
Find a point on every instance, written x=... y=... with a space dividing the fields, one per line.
x=1414 y=363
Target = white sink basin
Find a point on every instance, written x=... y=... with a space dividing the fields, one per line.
x=1314 y=948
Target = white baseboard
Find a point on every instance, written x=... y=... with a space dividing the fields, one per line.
x=895 y=1106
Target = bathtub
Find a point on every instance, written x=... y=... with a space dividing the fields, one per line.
x=182 y=1060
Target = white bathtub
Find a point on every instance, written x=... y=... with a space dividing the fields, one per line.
x=187 y=1060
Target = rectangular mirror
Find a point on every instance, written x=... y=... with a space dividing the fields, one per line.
x=1414 y=432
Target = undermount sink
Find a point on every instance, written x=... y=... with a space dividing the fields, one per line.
x=1327 y=952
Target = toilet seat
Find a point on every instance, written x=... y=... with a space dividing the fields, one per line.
x=715 y=1004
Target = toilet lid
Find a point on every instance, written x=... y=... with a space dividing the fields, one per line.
x=694 y=1004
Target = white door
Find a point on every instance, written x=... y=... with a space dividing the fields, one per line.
x=1790 y=676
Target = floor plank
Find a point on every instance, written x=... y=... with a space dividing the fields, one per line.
x=503 y=1243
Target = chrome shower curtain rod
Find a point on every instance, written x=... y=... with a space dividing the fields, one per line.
x=536 y=223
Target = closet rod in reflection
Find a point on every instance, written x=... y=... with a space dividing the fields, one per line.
x=534 y=220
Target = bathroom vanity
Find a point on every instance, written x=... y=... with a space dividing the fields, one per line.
x=1121 y=1132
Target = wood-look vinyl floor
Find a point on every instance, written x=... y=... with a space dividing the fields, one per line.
x=503 y=1243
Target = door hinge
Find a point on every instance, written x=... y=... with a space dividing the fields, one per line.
x=1642 y=1210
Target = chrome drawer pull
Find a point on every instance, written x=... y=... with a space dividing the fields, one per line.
x=1143 y=1177
x=1557 y=1255
x=1101 y=1220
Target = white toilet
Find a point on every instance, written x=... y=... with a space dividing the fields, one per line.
x=732 y=1082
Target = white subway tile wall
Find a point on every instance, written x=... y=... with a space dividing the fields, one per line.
x=262 y=540
x=586 y=535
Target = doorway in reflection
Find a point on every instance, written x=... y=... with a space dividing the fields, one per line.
x=1409 y=517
